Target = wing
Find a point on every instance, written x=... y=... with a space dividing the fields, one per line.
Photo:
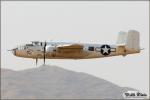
x=70 y=48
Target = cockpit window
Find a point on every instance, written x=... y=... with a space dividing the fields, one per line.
x=21 y=48
x=36 y=43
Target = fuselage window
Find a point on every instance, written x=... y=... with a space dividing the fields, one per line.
x=91 y=48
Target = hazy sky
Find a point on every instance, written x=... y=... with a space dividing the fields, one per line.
x=79 y=21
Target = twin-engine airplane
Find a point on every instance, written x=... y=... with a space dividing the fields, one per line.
x=127 y=43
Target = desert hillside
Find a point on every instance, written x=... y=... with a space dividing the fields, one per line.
x=52 y=82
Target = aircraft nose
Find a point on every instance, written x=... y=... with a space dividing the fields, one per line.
x=13 y=50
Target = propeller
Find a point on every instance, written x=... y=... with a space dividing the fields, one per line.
x=44 y=52
x=36 y=61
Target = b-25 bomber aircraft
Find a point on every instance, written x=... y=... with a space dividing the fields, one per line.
x=127 y=43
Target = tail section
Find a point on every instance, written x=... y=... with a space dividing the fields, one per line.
x=130 y=41
x=133 y=40
x=122 y=38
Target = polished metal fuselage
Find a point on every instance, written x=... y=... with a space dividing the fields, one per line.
x=85 y=52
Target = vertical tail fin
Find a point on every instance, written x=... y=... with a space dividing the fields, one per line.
x=129 y=39
x=122 y=38
x=133 y=40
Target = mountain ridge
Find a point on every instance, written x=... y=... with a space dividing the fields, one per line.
x=53 y=82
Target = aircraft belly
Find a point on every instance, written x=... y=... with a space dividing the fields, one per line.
x=63 y=55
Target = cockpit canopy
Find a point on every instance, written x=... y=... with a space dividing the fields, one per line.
x=34 y=43
x=37 y=43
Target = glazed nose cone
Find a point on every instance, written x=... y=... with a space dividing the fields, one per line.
x=13 y=51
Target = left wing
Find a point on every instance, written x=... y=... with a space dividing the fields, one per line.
x=70 y=48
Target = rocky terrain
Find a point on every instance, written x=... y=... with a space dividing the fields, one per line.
x=52 y=82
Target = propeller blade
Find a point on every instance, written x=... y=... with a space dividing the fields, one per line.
x=36 y=61
x=44 y=52
x=44 y=60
